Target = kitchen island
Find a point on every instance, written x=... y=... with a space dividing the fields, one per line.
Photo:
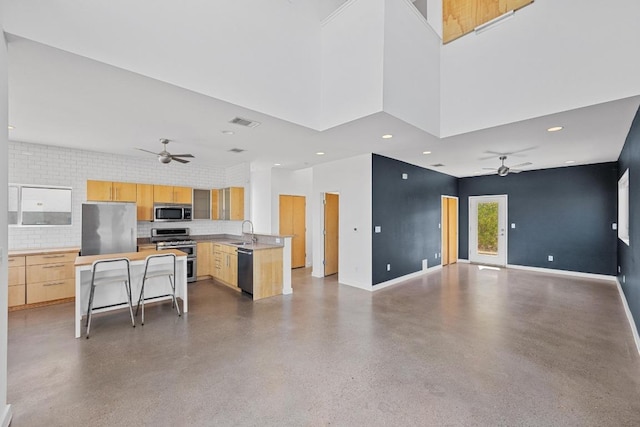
x=114 y=297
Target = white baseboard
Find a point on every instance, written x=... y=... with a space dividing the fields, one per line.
x=7 y=416
x=464 y=261
x=632 y=323
x=357 y=285
x=405 y=278
x=563 y=272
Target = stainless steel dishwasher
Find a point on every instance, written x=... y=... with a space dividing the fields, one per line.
x=245 y=270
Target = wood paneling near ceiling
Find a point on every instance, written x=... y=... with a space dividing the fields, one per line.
x=460 y=17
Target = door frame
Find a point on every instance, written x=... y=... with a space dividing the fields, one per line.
x=442 y=230
x=506 y=227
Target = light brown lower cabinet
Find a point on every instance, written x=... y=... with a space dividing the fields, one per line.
x=39 y=278
x=50 y=277
x=225 y=264
x=17 y=293
x=204 y=252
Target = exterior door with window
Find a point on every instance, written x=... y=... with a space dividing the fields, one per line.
x=488 y=230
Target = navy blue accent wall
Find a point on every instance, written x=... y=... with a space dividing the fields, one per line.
x=565 y=212
x=408 y=212
x=629 y=256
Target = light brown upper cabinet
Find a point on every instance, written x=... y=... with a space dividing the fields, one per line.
x=144 y=202
x=172 y=194
x=108 y=191
x=229 y=203
x=460 y=17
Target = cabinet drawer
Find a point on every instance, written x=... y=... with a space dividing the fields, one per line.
x=48 y=291
x=52 y=258
x=16 y=261
x=16 y=295
x=49 y=272
x=16 y=276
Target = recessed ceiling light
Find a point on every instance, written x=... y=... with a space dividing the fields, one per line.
x=555 y=129
x=11 y=127
x=570 y=162
x=277 y=164
x=426 y=152
x=228 y=132
x=320 y=153
x=387 y=136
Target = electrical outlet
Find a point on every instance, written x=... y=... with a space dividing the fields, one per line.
x=624 y=279
x=378 y=229
x=277 y=240
x=550 y=258
x=614 y=226
x=619 y=269
x=513 y=225
x=388 y=267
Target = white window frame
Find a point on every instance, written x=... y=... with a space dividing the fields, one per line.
x=623 y=208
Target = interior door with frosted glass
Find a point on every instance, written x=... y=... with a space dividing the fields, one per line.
x=488 y=230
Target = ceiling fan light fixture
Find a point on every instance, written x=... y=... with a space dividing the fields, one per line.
x=164 y=159
x=387 y=136
x=555 y=129
x=503 y=171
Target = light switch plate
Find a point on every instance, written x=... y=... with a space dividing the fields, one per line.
x=614 y=226
x=550 y=258
x=513 y=225
x=378 y=229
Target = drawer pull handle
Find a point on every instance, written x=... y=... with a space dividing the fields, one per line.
x=53 y=256
x=54 y=266
x=53 y=284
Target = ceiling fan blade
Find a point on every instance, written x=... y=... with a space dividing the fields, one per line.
x=522 y=164
x=515 y=171
x=147 y=151
x=182 y=155
x=490 y=169
x=179 y=160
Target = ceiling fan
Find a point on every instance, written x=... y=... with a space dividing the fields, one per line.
x=505 y=170
x=517 y=153
x=165 y=157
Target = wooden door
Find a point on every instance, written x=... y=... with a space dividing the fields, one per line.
x=236 y=203
x=144 y=202
x=124 y=192
x=215 y=204
x=293 y=223
x=331 y=238
x=182 y=195
x=162 y=194
x=99 y=191
x=449 y=230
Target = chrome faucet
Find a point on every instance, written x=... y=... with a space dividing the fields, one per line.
x=253 y=237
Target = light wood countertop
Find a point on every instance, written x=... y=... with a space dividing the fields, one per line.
x=133 y=256
x=42 y=251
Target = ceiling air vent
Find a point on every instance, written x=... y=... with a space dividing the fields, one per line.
x=437 y=165
x=236 y=150
x=244 y=122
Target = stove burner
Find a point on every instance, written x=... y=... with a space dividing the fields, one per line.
x=176 y=243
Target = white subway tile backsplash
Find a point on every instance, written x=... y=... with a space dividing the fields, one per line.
x=48 y=165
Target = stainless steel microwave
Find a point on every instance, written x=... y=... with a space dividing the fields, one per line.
x=164 y=212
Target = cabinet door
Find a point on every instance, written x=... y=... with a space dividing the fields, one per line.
x=182 y=195
x=236 y=208
x=162 y=194
x=144 y=202
x=205 y=259
x=124 y=192
x=233 y=269
x=99 y=191
x=215 y=204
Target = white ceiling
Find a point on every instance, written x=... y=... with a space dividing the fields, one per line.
x=58 y=98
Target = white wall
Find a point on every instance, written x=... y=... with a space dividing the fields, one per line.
x=351 y=178
x=42 y=164
x=293 y=183
x=552 y=56
x=411 y=75
x=5 y=410
x=261 y=198
x=352 y=62
x=262 y=55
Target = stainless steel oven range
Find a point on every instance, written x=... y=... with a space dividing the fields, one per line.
x=177 y=238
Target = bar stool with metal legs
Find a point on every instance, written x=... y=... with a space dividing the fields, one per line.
x=100 y=277
x=164 y=270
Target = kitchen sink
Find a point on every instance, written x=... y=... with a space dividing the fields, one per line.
x=240 y=243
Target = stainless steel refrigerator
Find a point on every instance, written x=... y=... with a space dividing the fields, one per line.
x=109 y=228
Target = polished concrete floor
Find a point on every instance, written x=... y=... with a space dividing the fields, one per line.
x=460 y=347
